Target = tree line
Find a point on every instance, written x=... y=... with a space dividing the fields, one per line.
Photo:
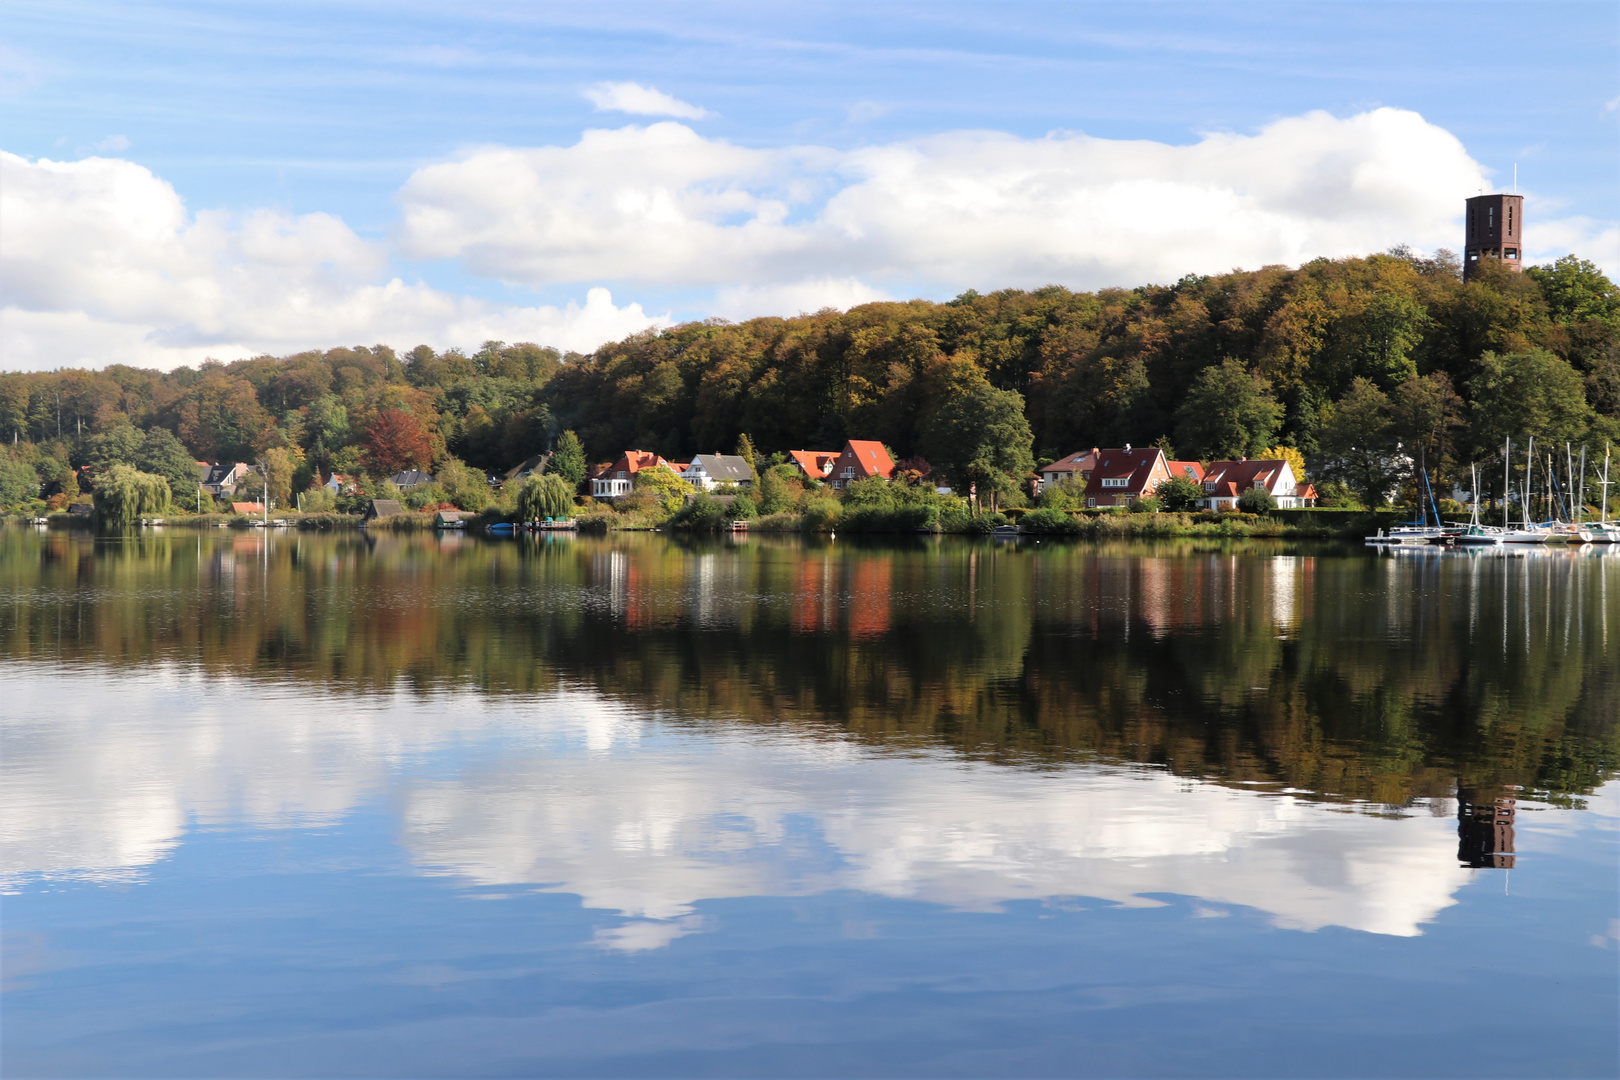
x=1362 y=364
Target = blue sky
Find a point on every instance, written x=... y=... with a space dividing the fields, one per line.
x=273 y=113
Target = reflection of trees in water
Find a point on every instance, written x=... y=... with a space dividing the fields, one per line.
x=1362 y=678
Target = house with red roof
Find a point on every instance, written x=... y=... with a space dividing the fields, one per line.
x=861 y=458
x=1186 y=470
x=618 y=479
x=1119 y=477
x=1076 y=466
x=1226 y=481
x=815 y=464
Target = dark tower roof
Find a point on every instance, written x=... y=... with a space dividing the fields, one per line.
x=1495 y=230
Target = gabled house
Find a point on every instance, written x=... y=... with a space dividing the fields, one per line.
x=251 y=509
x=534 y=465
x=861 y=458
x=618 y=479
x=709 y=471
x=410 y=478
x=1119 y=477
x=1076 y=466
x=222 y=479
x=382 y=508
x=338 y=483
x=815 y=464
x=1226 y=481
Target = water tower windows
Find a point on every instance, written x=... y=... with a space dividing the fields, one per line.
x=1510 y=220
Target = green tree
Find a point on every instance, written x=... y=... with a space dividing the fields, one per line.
x=1524 y=394
x=19 y=483
x=981 y=437
x=124 y=495
x=669 y=490
x=118 y=444
x=1257 y=500
x=463 y=485
x=278 y=465
x=166 y=456
x=568 y=460
x=776 y=495
x=545 y=495
x=1358 y=447
x=1228 y=413
x=1179 y=494
x=746 y=451
x=1575 y=290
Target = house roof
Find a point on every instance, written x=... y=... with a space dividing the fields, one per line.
x=726 y=468
x=867 y=456
x=1233 y=478
x=1133 y=466
x=1075 y=462
x=1187 y=470
x=247 y=508
x=381 y=508
x=815 y=464
x=534 y=464
x=410 y=478
x=633 y=461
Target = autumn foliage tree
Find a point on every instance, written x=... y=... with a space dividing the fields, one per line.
x=395 y=441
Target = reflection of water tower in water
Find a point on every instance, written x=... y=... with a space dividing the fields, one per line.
x=1485 y=829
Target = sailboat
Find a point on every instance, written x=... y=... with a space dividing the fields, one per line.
x=1477 y=535
x=1605 y=531
x=1420 y=531
x=1528 y=533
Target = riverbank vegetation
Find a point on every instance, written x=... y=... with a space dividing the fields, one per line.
x=1359 y=364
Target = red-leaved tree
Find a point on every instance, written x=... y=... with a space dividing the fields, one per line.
x=396 y=441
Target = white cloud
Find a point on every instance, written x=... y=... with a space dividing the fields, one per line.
x=749 y=301
x=638 y=100
x=102 y=263
x=664 y=205
x=113 y=144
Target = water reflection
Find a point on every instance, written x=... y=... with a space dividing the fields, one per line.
x=648 y=819
x=1348 y=677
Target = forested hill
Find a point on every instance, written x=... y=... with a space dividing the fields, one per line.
x=1390 y=347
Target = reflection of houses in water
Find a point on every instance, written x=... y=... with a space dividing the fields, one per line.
x=813 y=601
x=1485 y=830
x=870 y=598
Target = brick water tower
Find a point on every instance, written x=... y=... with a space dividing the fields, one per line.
x=1495 y=231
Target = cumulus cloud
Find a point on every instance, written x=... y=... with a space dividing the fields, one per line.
x=103 y=263
x=749 y=301
x=664 y=205
x=638 y=100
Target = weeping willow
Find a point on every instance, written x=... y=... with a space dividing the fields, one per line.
x=545 y=496
x=125 y=495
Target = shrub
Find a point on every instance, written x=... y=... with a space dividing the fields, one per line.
x=1256 y=500
x=1179 y=495
x=1146 y=505
x=1048 y=521
x=821 y=515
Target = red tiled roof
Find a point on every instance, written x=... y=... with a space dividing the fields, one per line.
x=814 y=463
x=247 y=508
x=1133 y=466
x=1075 y=462
x=1187 y=470
x=1235 y=477
x=868 y=457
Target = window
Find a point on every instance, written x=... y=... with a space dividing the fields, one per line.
x=1511 y=253
x=1116 y=481
x=1510 y=221
x=1091 y=504
x=1209 y=487
x=1490 y=218
x=849 y=470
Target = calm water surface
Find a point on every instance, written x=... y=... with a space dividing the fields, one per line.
x=297 y=805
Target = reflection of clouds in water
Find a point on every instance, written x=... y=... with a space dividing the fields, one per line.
x=103 y=771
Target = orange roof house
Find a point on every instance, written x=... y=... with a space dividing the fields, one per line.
x=1121 y=476
x=861 y=458
x=247 y=508
x=815 y=464
x=618 y=480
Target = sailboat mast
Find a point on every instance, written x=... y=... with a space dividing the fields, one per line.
x=1507 y=479
x=1524 y=497
x=1580 y=490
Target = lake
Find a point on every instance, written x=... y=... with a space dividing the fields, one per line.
x=410 y=805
